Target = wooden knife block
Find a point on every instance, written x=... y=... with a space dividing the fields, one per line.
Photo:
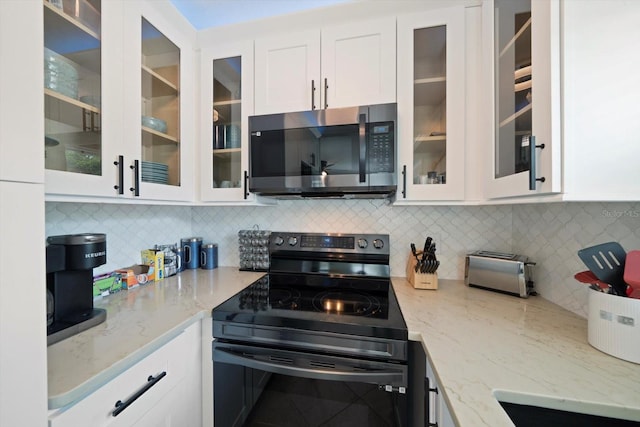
x=420 y=280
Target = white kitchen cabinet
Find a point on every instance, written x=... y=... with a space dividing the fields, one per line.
x=437 y=410
x=522 y=43
x=167 y=385
x=358 y=63
x=23 y=356
x=338 y=66
x=21 y=75
x=287 y=74
x=96 y=144
x=431 y=105
x=600 y=100
x=226 y=92
x=82 y=109
x=23 y=331
x=159 y=124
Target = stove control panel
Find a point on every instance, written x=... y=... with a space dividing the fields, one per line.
x=330 y=242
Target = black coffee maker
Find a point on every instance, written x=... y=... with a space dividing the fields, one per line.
x=71 y=259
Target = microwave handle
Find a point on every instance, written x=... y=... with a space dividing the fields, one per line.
x=362 y=131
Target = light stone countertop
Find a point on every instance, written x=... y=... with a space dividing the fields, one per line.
x=139 y=321
x=478 y=341
x=532 y=350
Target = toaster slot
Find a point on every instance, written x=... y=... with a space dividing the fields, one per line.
x=499 y=255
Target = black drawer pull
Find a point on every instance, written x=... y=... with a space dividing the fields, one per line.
x=151 y=381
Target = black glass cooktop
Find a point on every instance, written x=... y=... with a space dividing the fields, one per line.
x=355 y=306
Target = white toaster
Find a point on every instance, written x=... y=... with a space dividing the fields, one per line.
x=500 y=272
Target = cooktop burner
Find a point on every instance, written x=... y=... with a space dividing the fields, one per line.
x=347 y=302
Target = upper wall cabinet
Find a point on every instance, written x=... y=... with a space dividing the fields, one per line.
x=226 y=90
x=77 y=161
x=338 y=66
x=101 y=139
x=523 y=41
x=21 y=101
x=431 y=105
x=600 y=100
x=159 y=112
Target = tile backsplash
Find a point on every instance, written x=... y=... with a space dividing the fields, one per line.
x=550 y=234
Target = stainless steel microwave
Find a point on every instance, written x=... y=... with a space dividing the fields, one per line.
x=341 y=152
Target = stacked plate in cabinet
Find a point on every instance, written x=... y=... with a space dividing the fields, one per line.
x=157 y=173
x=60 y=74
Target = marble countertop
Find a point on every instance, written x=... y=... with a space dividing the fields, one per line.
x=139 y=321
x=480 y=343
x=525 y=350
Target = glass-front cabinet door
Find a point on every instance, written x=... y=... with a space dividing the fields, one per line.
x=431 y=105
x=160 y=106
x=526 y=114
x=226 y=104
x=226 y=128
x=75 y=156
x=159 y=115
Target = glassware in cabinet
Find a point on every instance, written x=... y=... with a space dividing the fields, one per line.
x=226 y=127
x=72 y=86
x=160 y=121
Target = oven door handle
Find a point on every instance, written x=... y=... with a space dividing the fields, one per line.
x=395 y=376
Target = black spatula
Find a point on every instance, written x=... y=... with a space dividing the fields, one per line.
x=606 y=261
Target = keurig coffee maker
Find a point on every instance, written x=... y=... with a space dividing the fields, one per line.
x=71 y=259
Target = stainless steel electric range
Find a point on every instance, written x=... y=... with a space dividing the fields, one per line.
x=322 y=329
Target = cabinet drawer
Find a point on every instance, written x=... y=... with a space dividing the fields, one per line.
x=150 y=380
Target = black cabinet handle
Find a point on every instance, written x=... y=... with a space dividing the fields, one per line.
x=120 y=164
x=404 y=181
x=313 y=94
x=136 y=178
x=151 y=381
x=532 y=163
x=246 y=185
x=326 y=94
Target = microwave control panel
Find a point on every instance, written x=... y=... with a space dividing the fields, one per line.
x=381 y=147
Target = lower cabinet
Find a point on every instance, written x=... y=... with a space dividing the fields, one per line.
x=164 y=389
x=438 y=413
x=428 y=407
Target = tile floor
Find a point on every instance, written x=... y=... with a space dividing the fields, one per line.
x=300 y=402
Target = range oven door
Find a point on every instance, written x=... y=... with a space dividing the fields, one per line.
x=324 y=152
x=285 y=387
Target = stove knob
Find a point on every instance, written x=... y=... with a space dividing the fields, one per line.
x=362 y=243
x=278 y=241
x=293 y=240
x=378 y=244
